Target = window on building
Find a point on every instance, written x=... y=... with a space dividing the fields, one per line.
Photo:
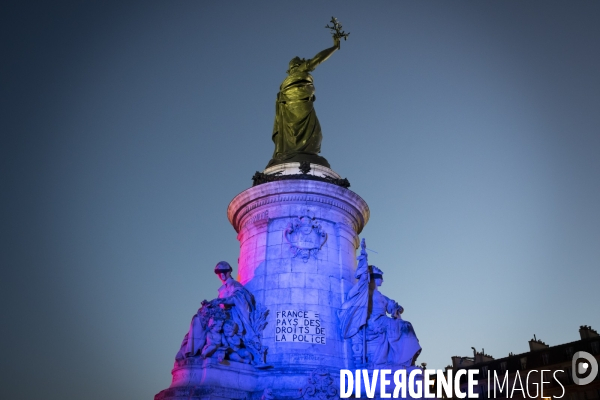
x=569 y=375
x=545 y=358
x=523 y=362
x=569 y=351
x=503 y=366
x=484 y=371
x=595 y=347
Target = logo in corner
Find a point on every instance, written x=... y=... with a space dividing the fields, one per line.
x=584 y=368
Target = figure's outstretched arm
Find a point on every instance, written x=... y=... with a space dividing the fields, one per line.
x=393 y=308
x=323 y=55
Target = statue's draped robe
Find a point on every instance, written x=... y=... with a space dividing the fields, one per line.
x=395 y=340
x=296 y=129
x=194 y=340
x=240 y=304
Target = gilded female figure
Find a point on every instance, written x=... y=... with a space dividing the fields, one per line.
x=296 y=131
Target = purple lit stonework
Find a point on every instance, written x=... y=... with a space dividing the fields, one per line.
x=300 y=310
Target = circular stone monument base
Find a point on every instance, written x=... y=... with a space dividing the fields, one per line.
x=300 y=157
x=201 y=393
x=293 y=168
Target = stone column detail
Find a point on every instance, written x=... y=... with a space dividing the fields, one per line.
x=323 y=221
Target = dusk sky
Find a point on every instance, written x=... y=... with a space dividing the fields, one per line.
x=471 y=129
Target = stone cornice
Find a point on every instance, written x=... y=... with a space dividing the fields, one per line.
x=295 y=191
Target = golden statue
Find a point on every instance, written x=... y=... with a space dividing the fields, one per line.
x=297 y=132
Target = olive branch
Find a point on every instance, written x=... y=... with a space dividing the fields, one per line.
x=336 y=29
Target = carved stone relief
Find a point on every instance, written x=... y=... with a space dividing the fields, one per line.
x=320 y=386
x=305 y=236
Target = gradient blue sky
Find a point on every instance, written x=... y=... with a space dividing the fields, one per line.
x=472 y=130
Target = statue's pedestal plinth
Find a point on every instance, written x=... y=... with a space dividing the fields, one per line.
x=298 y=240
x=199 y=378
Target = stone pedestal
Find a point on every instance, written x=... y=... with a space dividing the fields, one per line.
x=198 y=378
x=298 y=239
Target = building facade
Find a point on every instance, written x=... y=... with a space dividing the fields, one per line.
x=542 y=372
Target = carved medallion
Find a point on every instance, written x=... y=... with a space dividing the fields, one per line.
x=320 y=386
x=305 y=236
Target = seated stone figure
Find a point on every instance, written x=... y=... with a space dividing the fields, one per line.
x=390 y=341
x=236 y=299
x=235 y=307
x=393 y=340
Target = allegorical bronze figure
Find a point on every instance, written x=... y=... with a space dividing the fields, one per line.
x=297 y=132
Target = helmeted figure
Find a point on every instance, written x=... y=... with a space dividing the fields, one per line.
x=377 y=340
x=235 y=304
x=236 y=299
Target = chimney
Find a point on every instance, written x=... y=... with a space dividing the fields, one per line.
x=482 y=357
x=587 y=332
x=461 y=362
x=536 y=344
